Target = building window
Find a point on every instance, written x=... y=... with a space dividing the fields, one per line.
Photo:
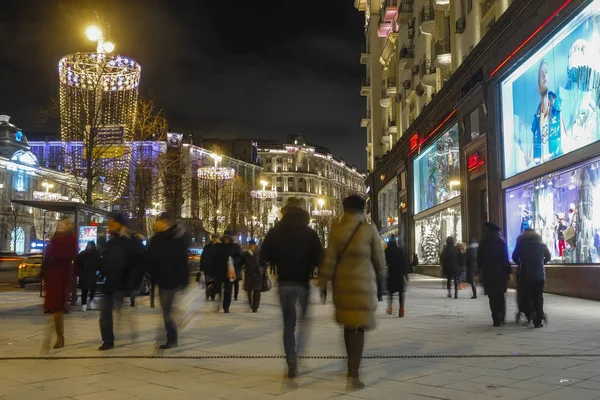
x=388 y=205
x=469 y=6
x=474 y=124
x=20 y=183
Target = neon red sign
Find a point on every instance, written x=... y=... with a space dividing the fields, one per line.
x=475 y=161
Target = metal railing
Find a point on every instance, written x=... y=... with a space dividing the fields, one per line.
x=442 y=46
x=406 y=6
x=427 y=13
x=366 y=82
x=407 y=52
x=428 y=67
x=486 y=5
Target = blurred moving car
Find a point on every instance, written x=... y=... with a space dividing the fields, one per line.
x=9 y=260
x=30 y=270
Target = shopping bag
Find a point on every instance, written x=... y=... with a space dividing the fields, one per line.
x=569 y=235
x=189 y=306
x=230 y=270
x=267 y=284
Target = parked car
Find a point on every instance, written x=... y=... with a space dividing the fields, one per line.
x=30 y=269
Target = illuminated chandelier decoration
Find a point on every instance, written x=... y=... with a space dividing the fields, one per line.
x=263 y=194
x=321 y=212
x=99 y=92
x=216 y=173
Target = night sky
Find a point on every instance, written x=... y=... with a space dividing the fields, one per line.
x=223 y=68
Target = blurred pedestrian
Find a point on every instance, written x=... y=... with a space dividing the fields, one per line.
x=531 y=254
x=354 y=262
x=414 y=263
x=57 y=274
x=472 y=268
x=492 y=258
x=295 y=249
x=88 y=263
x=123 y=266
x=451 y=259
x=225 y=252
x=168 y=259
x=397 y=264
x=253 y=275
x=207 y=266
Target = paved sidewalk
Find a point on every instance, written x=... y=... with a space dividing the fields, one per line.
x=433 y=326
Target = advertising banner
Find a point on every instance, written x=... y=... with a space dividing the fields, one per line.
x=550 y=104
x=87 y=234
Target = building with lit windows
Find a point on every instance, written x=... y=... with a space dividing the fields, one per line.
x=511 y=136
x=298 y=169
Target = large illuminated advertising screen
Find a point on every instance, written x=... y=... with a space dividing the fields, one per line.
x=550 y=104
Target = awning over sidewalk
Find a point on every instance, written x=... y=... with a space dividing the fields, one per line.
x=63 y=206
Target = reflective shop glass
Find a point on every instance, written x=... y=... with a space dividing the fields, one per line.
x=431 y=233
x=388 y=205
x=550 y=103
x=437 y=172
x=564 y=208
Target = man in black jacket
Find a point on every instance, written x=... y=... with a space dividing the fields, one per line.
x=296 y=250
x=123 y=267
x=492 y=258
x=167 y=255
x=223 y=251
x=207 y=266
x=531 y=254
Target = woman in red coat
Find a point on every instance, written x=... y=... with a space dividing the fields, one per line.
x=57 y=274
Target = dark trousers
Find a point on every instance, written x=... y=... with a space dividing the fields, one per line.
x=290 y=295
x=498 y=307
x=152 y=294
x=167 y=297
x=533 y=291
x=474 y=288
x=224 y=289
x=355 y=343
x=236 y=289
x=449 y=285
x=110 y=301
x=84 y=295
x=254 y=299
x=400 y=299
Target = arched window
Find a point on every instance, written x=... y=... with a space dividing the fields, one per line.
x=17 y=240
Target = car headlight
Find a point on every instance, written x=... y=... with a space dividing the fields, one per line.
x=22 y=265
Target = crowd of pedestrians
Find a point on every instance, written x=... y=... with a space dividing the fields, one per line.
x=355 y=262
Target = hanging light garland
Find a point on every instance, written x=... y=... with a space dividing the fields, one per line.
x=263 y=194
x=322 y=213
x=216 y=173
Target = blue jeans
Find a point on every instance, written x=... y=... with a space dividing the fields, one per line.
x=292 y=294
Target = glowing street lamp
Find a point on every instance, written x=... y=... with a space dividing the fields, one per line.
x=48 y=186
x=95 y=34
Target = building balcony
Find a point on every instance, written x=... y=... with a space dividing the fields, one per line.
x=393 y=128
x=386 y=139
x=364 y=55
x=443 y=55
x=365 y=88
x=428 y=73
x=389 y=10
x=391 y=87
x=486 y=6
x=405 y=10
x=441 y=4
x=428 y=20
x=407 y=57
x=384 y=29
x=365 y=121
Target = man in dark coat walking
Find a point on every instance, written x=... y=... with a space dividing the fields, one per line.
x=531 y=254
x=167 y=256
x=207 y=266
x=472 y=268
x=253 y=275
x=223 y=251
x=492 y=258
x=295 y=249
x=89 y=263
x=123 y=267
x=397 y=264
x=452 y=261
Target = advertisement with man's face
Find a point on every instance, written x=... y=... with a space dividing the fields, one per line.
x=550 y=104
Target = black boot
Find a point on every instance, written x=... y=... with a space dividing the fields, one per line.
x=355 y=341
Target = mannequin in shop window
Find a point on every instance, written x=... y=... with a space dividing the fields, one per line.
x=561 y=226
x=526 y=222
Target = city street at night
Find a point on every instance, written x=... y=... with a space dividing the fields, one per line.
x=442 y=349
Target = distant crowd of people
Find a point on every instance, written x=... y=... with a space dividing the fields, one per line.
x=354 y=261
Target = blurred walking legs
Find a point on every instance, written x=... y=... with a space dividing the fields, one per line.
x=290 y=295
x=167 y=297
x=355 y=343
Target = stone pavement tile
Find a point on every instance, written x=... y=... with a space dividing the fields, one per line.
x=303 y=393
x=494 y=380
x=558 y=363
x=443 y=378
x=555 y=380
x=563 y=373
x=106 y=395
x=25 y=392
x=570 y=393
x=588 y=384
x=541 y=387
x=512 y=393
x=469 y=386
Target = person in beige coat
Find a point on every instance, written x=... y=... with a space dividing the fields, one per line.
x=354 y=262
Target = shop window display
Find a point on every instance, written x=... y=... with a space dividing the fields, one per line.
x=431 y=233
x=551 y=103
x=437 y=172
x=388 y=205
x=561 y=208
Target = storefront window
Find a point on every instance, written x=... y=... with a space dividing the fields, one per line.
x=550 y=104
x=388 y=205
x=561 y=208
x=431 y=233
x=437 y=172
